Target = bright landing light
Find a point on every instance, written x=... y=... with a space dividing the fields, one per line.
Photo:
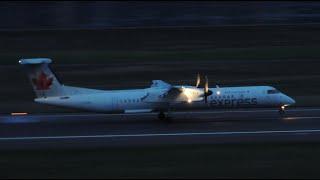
x=189 y=101
x=218 y=92
x=284 y=106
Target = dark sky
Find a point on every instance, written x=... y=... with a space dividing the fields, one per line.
x=91 y=14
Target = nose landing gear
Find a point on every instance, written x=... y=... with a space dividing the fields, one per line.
x=282 y=110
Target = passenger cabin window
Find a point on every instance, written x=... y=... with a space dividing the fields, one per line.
x=272 y=91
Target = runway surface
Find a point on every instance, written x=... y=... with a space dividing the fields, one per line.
x=197 y=127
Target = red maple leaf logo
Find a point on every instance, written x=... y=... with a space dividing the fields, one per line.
x=42 y=82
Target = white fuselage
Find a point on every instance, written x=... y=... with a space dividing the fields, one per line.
x=148 y=99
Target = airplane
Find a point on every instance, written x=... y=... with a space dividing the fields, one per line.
x=160 y=97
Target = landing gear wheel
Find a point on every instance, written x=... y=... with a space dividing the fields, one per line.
x=163 y=117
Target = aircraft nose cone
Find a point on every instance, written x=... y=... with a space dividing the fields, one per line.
x=288 y=100
x=291 y=101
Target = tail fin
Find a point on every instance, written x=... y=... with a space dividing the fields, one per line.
x=43 y=80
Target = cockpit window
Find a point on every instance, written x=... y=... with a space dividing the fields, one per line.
x=272 y=91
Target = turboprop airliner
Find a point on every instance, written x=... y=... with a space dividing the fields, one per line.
x=160 y=97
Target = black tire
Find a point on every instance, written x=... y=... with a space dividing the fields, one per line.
x=281 y=111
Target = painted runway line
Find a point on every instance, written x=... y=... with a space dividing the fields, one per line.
x=164 y=134
x=178 y=112
x=306 y=117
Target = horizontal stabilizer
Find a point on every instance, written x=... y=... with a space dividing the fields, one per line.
x=35 y=61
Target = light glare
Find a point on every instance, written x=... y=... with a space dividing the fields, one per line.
x=18 y=113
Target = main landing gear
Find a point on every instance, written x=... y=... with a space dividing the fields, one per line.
x=164 y=117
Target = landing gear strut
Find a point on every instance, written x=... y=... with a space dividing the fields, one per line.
x=163 y=117
x=282 y=110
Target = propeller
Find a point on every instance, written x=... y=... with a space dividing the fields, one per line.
x=206 y=92
x=198 y=80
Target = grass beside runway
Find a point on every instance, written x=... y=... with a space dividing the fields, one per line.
x=252 y=160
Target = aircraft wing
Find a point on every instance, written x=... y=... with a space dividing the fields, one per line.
x=173 y=93
x=160 y=84
x=169 y=93
x=183 y=94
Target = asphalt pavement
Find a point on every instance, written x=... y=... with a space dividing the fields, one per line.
x=192 y=127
